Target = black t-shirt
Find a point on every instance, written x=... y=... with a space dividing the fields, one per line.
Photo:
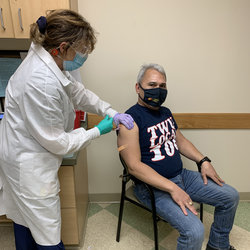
x=157 y=135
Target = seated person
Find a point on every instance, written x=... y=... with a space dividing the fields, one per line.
x=152 y=153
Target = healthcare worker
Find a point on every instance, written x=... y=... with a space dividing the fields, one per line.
x=37 y=128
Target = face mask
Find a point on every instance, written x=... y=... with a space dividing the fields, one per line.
x=77 y=62
x=154 y=97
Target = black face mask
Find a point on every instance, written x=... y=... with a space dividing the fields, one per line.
x=155 y=96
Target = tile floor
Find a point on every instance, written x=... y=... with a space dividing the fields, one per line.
x=136 y=232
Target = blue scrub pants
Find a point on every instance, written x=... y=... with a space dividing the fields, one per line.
x=25 y=241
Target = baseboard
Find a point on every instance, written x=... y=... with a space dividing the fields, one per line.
x=244 y=196
x=111 y=197
x=115 y=197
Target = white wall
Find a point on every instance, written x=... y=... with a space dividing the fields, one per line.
x=204 y=47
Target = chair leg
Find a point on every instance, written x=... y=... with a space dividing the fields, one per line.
x=155 y=230
x=120 y=212
x=201 y=212
x=154 y=222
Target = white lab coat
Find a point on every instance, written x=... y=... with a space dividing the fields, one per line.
x=35 y=133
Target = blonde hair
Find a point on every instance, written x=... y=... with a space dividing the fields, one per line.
x=64 y=26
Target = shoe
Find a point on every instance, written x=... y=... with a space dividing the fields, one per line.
x=211 y=248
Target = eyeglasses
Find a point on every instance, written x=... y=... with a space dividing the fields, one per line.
x=84 y=51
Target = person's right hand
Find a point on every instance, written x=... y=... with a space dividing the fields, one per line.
x=183 y=200
x=105 y=125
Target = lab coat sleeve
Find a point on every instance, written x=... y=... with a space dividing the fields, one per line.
x=44 y=119
x=88 y=101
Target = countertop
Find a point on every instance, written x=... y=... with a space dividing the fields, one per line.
x=70 y=159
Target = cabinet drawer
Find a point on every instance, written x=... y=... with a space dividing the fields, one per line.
x=70 y=234
x=67 y=185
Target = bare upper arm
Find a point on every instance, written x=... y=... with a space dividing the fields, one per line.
x=128 y=143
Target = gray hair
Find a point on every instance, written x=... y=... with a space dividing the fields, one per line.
x=154 y=66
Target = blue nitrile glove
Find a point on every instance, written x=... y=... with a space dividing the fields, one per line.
x=105 y=125
x=125 y=119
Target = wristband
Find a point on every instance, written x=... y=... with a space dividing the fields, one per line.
x=201 y=161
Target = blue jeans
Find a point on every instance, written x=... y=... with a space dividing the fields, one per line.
x=225 y=200
x=25 y=241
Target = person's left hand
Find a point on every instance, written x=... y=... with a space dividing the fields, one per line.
x=125 y=119
x=207 y=170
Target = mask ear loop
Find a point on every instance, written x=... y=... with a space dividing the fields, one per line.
x=55 y=51
x=139 y=93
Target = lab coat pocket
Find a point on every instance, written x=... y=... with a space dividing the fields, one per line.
x=38 y=175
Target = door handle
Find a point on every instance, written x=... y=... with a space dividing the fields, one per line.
x=20 y=18
x=1 y=18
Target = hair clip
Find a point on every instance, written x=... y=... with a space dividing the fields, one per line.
x=42 y=23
